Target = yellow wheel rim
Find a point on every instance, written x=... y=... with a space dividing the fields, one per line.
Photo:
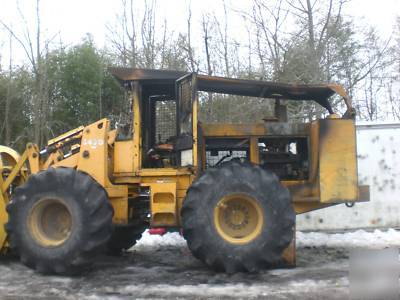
x=238 y=218
x=50 y=222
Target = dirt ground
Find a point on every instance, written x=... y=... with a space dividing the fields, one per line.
x=171 y=272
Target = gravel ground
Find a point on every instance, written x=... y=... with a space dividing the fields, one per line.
x=172 y=272
x=163 y=267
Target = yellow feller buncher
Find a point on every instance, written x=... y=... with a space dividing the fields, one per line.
x=233 y=189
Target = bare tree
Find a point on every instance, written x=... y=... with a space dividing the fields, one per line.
x=7 y=125
x=394 y=98
x=35 y=50
x=223 y=40
x=148 y=32
x=318 y=18
x=123 y=34
x=138 y=40
x=189 y=35
x=390 y=75
x=249 y=53
x=268 y=18
x=206 y=39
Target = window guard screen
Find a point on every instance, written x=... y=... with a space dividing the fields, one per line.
x=185 y=106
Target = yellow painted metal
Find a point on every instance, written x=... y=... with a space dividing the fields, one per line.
x=52 y=159
x=50 y=222
x=164 y=172
x=277 y=129
x=8 y=158
x=314 y=137
x=137 y=135
x=117 y=166
x=123 y=157
x=65 y=135
x=254 y=151
x=33 y=158
x=341 y=92
x=111 y=137
x=176 y=182
x=333 y=116
x=338 y=161
x=69 y=162
x=3 y=216
x=14 y=171
x=93 y=160
x=238 y=218
x=238 y=130
x=195 y=100
x=303 y=207
x=323 y=144
x=120 y=207
x=163 y=204
x=289 y=254
x=93 y=152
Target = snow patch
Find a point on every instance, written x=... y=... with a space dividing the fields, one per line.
x=359 y=238
x=239 y=290
x=157 y=241
x=355 y=239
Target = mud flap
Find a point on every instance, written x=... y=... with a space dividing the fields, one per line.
x=289 y=254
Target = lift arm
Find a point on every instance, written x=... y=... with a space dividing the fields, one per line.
x=15 y=173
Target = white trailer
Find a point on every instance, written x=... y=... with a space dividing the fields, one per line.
x=378 y=149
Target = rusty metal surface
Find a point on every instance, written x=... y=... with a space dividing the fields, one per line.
x=253 y=88
x=256 y=129
x=338 y=178
x=129 y=74
x=267 y=89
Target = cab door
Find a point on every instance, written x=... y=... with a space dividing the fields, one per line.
x=187 y=105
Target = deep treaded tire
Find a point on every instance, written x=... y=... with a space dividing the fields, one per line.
x=124 y=237
x=59 y=220
x=260 y=209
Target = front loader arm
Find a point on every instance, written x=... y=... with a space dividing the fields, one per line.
x=31 y=154
x=15 y=173
x=84 y=148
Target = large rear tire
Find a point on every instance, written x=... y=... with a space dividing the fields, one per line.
x=59 y=220
x=238 y=218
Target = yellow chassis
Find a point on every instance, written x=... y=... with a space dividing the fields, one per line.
x=332 y=180
x=117 y=165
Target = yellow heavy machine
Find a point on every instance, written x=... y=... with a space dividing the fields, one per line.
x=233 y=189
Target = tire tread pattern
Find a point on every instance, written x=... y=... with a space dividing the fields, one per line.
x=95 y=210
x=198 y=225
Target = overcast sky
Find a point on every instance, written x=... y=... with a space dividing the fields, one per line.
x=73 y=19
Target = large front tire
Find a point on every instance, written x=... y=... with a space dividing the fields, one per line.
x=59 y=220
x=238 y=218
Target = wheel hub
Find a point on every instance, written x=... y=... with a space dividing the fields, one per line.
x=238 y=218
x=50 y=222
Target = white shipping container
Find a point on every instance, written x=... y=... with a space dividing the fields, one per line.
x=378 y=148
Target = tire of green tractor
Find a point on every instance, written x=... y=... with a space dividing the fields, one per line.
x=238 y=217
x=59 y=220
x=123 y=238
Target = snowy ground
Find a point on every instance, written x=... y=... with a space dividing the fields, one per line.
x=162 y=267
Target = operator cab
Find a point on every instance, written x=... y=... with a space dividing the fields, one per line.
x=172 y=136
x=167 y=127
x=158 y=100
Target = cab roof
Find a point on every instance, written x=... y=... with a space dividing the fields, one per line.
x=319 y=93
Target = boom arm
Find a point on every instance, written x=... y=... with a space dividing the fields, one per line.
x=14 y=173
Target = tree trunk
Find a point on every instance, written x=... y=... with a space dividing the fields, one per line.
x=7 y=125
